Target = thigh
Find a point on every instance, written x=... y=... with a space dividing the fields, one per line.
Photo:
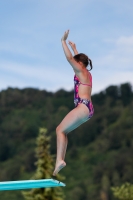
x=74 y=118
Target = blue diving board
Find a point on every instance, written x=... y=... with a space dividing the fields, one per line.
x=29 y=184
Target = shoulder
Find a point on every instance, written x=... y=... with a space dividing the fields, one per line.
x=82 y=73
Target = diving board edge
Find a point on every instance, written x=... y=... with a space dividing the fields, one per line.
x=29 y=184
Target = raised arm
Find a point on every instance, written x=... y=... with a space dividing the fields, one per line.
x=76 y=66
x=73 y=46
x=67 y=52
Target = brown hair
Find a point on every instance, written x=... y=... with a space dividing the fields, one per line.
x=81 y=57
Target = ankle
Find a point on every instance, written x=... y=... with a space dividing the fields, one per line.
x=59 y=160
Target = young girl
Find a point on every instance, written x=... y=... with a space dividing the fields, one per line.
x=83 y=110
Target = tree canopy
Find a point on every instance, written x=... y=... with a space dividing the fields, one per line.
x=99 y=154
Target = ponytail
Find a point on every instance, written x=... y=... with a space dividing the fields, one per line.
x=90 y=63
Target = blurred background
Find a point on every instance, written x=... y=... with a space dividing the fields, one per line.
x=36 y=91
x=31 y=54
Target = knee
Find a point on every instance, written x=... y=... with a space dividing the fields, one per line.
x=59 y=130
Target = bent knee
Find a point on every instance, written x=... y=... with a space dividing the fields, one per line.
x=59 y=130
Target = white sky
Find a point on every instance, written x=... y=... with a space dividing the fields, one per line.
x=31 y=54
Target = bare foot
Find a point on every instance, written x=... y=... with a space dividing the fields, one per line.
x=58 y=167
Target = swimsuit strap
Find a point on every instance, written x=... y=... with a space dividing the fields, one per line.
x=90 y=77
x=86 y=84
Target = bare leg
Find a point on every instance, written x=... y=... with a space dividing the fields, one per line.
x=72 y=120
x=66 y=142
x=61 y=149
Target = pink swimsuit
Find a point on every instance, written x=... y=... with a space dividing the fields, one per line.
x=78 y=100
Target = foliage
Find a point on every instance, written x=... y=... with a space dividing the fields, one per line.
x=44 y=171
x=99 y=154
x=124 y=192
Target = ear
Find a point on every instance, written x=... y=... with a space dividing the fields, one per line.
x=81 y=63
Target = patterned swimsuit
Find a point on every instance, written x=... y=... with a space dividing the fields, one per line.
x=78 y=100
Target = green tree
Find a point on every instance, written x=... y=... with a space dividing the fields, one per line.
x=112 y=91
x=126 y=93
x=124 y=192
x=105 y=183
x=44 y=171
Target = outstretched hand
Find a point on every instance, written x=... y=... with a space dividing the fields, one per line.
x=65 y=36
x=72 y=44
